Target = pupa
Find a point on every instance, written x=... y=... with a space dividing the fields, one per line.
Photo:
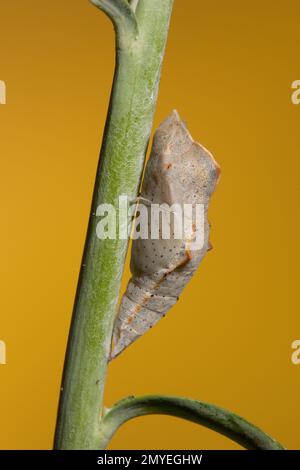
x=179 y=171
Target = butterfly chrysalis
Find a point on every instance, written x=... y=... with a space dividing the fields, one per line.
x=182 y=173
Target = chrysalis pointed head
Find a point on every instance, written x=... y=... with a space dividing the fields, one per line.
x=172 y=136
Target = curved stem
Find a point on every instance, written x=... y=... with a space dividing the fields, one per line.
x=210 y=416
x=123 y=18
x=123 y=150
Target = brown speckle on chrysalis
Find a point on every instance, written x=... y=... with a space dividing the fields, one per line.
x=179 y=171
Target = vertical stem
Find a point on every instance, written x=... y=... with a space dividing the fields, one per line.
x=127 y=131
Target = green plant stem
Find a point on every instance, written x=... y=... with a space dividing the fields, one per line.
x=133 y=4
x=140 y=45
x=210 y=416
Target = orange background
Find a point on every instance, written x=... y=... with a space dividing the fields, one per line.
x=228 y=71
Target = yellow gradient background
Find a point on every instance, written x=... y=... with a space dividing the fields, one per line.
x=228 y=71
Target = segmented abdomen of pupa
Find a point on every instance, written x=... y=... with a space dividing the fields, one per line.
x=182 y=172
